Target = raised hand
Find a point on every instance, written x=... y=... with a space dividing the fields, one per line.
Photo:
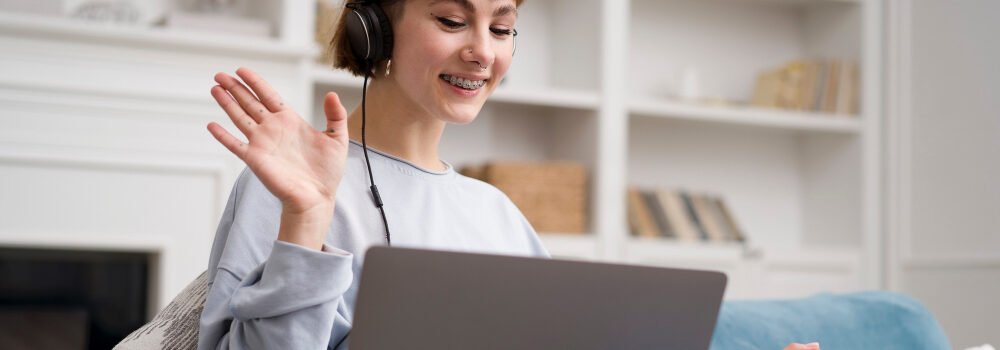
x=798 y=346
x=298 y=164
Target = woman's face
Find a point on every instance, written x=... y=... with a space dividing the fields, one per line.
x=441 y=48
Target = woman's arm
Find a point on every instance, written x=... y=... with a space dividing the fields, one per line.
x=269 y=248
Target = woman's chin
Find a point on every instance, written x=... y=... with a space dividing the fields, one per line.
x=462 y=114
x=462 y=119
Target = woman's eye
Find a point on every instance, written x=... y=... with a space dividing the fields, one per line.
x=449 y=23
x=503 y=32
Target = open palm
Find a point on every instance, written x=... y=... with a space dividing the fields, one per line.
x=298 y=164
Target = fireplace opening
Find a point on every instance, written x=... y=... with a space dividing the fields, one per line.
x=71 y=299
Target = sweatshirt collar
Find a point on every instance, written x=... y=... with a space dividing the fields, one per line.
x=406 y=166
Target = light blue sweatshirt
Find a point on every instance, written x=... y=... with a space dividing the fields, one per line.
x=269 y=294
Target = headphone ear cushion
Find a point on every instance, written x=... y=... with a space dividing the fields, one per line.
x=384 y=31
x=359 y=36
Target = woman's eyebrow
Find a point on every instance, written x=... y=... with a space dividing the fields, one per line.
x=504 y=10
x=471 y=8
x=466 y=4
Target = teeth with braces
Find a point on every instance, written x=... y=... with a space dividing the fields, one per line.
x=464 y=83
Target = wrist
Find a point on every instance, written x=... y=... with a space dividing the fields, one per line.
x=306 y=227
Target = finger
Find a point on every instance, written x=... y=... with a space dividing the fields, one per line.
x=243 y=96
x=336 y=115
x=226 y=139
x=265 y=93
x=233 y=110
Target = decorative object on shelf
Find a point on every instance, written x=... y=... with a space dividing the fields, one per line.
x=131 y=12
x=810 y=85
x=689 y=83
x=552 y=195
x=217 y=16
x=232 y=8
x=681 y=215
x=327 y=15
x=122 y=11
x=687 y=89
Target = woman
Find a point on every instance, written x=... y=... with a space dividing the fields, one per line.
x=294 y=231
x=292 y=237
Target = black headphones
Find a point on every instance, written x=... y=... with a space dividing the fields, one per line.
x=369 y=33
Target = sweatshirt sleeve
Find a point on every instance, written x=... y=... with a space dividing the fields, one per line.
x=270 y=294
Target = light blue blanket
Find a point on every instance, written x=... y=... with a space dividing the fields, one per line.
x=864 y=320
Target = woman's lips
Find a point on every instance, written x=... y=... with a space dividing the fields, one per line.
x=461 y=91
x=466 y=82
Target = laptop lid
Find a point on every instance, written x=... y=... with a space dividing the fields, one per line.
x=430 y=299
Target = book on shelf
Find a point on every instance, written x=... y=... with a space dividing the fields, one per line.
x=710 y=222
x=830 y=90
x=693 y=216
x=733 y=231
x=681 y=215
x=818 y=85
x=661 y=220
x=674 y=208
x=640 y=218
x=847 y=91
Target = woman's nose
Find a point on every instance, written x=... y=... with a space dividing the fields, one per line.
x=480 y=50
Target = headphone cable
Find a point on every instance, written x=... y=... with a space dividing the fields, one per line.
x=375 y=195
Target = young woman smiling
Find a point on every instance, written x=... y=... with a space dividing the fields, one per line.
x=291 y=240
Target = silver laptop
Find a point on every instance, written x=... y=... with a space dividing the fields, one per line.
x=428 y=299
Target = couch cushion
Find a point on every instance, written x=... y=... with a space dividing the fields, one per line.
x=176 y=327
x=864 y=320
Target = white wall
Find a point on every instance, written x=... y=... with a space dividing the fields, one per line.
x=945 y=163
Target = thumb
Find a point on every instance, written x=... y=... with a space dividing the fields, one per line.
x=336 y=115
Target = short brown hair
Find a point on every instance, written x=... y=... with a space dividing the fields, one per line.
x=343 y=57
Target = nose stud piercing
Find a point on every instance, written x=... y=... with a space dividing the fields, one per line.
x=482 y=68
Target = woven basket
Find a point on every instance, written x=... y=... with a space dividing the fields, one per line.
x=552 y=195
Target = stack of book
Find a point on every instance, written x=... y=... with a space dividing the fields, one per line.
x=829 y=86
x=681 y=215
